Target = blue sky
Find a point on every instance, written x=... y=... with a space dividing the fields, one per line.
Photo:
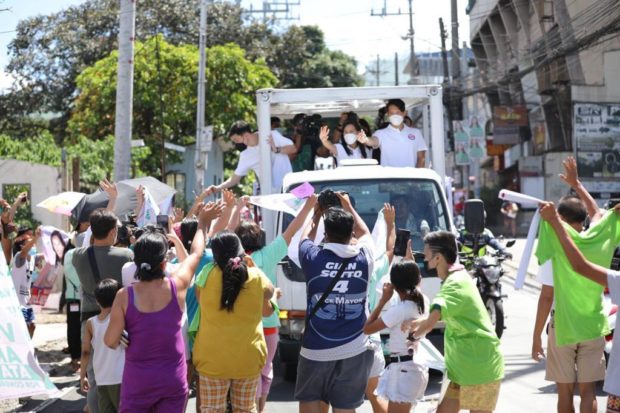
x=347 y=24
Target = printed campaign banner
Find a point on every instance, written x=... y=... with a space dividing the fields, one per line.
x=20 y=373
x=48 y=271
x=150 y=210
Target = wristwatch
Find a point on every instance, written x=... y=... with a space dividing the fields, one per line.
x=277 y=150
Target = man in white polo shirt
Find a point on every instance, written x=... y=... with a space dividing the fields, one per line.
x=400 y=145
x=249 y=158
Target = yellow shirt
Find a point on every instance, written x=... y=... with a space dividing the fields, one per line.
x=231 y=345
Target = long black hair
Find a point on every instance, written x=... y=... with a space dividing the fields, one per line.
x=358 y=128
x=189 y=226
x=228 y=255
x=405 y=277
x=149 y=252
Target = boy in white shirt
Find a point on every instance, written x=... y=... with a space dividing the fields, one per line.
x=22 y=268
x=108 y=364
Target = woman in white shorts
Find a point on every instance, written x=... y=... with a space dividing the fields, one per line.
x=403 y=381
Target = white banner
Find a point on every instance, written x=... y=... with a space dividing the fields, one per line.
x=150 y=210
x=20 y=373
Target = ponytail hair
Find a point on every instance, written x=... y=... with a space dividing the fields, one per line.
x=149 y=252
x=405 y=277
x=228 y=255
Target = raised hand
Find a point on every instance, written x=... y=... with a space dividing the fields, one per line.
x=109 y=188
x=209 y=212
x=344 y=200
x=548 y=212
x=324 y=134
x=570 y=175
x=228 y=198
x=362 y=138
x=389 y=213
x=387 y=293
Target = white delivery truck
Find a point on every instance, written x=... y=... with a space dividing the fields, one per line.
x=368 y=184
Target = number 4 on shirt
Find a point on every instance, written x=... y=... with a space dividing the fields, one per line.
x=341 y=286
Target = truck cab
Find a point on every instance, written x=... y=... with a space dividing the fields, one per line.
x=369 y=185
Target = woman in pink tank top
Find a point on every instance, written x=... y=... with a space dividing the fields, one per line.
x=155 y=375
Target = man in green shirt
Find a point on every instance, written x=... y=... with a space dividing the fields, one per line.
x=473 y=359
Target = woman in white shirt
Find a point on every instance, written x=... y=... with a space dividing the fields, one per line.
x=403 y=381
x=348 y=147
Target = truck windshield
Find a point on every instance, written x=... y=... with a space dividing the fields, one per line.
x=418 y=204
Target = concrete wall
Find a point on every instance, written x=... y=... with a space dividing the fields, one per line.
x=44 y=182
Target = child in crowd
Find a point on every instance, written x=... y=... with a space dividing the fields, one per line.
x=108 y=363
x=473 y=359
x=404 y=381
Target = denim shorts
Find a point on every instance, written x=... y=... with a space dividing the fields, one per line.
x=28 y=314
x=340 y=383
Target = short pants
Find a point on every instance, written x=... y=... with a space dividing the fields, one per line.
x=613 y=404
x=575 y=363
x=403 y=382
x=476 y=397
x=340 y=383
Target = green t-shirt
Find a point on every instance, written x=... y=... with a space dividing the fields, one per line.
x=471 y=347
x=267 y=259
x=579 y=314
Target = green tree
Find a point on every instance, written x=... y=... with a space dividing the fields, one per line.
x=59 y=46
x=231 y=84
x=301 y=60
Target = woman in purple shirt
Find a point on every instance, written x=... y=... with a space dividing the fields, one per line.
x=155 y=375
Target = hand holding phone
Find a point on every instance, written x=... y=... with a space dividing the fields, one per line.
x=162 y=221
x=402 y=239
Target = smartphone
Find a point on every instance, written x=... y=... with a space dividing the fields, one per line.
x=25 y=199
x=162 y=221
x=402 y=238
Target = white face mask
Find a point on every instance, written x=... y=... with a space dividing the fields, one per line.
x=350 y=138
x=396 y=120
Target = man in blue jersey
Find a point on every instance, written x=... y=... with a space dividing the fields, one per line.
x=336 y=356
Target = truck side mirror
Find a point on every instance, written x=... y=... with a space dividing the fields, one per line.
x=474 y=216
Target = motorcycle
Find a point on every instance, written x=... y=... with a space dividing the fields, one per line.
x=487 y=270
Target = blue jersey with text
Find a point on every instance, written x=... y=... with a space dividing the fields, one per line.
x=341 y=318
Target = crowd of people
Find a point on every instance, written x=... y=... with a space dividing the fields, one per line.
x=312 y=145
x=158 y=311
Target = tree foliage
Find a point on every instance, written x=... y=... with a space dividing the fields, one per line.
x=165 y=86
x=50 y=51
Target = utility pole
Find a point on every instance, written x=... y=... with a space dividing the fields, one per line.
x=124 y=90
x=274 y=8
x=396 y=69
x=414 y=67
x=200 y=159
x=444 y=53
x=456 y=66
x=376 y=71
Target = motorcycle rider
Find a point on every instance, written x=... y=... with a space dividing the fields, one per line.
x=467 y=240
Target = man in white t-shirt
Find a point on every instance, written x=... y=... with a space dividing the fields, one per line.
x=605 y=277
x=400 y=145
x=249 y=158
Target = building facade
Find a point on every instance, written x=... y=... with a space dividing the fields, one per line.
x=557 y=59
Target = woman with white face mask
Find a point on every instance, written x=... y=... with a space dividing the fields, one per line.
x=348 y=147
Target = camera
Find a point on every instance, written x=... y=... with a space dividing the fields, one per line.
x=327 y=199
x=311 y=126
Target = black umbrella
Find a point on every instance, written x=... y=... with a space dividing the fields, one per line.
x=127 y=199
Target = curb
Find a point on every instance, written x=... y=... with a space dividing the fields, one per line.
x=528 y=280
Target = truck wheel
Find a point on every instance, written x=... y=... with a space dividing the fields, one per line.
x=290 y=371
x=495 y=308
